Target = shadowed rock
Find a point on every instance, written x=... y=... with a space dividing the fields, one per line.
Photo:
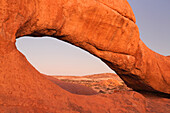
x=105 y=28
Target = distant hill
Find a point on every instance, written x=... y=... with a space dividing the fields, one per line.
x=101 y=83
x=95 y=77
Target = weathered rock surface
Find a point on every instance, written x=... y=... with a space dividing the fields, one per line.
x=154 y=102
x=105 y=28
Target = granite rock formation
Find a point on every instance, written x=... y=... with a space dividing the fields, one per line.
x=105 y=28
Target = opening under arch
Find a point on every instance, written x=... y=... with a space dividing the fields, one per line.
x=55 y=57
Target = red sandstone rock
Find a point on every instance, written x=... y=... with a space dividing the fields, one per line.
x=107 y=31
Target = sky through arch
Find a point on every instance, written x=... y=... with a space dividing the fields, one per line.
x=55 y=57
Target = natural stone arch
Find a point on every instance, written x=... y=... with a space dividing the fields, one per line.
x=104 y=28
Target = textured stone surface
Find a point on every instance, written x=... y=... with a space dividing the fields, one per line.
x=154 y=102
x=105 y=28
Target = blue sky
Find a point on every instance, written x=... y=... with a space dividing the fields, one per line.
x=153 y=20
x=55 y=57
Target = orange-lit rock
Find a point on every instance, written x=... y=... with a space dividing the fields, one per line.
x=104 y=28
x=23 y=89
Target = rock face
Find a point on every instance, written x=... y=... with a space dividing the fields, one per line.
x=105 y=28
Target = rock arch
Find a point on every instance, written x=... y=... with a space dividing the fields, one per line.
x=106 y=29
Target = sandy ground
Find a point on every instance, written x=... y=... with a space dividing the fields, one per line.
x=102 y=83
